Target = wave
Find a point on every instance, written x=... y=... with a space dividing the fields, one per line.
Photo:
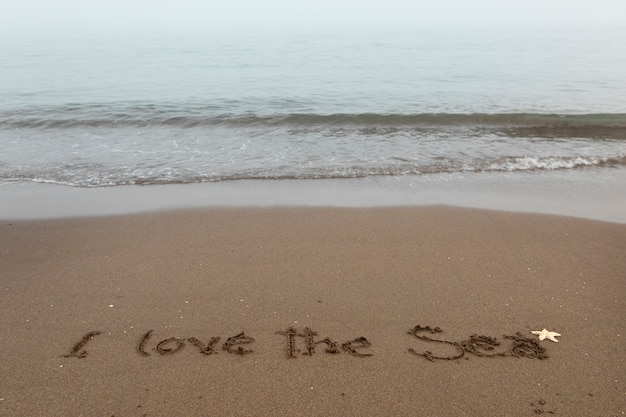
x=108 y=145
x=510 y=124
x=96 y=177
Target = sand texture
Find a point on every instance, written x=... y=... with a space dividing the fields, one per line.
x=312 y=312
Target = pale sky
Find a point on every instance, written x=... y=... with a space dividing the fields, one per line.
x=44 y=18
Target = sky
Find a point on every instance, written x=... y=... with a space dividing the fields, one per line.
x=45 y=18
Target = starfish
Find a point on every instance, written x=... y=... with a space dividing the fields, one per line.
x=543 y=334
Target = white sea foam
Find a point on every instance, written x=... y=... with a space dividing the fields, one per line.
x=527 y=163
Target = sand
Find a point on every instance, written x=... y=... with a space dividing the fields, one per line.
x=312 y=312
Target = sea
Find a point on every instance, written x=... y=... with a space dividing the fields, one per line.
x=150 y=110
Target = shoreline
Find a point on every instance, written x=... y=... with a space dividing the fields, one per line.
x=598 y=194
x=106 y=309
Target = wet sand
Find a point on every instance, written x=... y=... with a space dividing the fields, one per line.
x=312 y=311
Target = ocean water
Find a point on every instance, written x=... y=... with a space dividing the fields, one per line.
x=109 y=112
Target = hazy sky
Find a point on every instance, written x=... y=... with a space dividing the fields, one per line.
x=43 y=18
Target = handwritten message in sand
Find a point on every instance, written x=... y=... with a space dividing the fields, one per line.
x=307 y=342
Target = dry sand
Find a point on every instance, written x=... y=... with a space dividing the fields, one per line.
x=363 y=278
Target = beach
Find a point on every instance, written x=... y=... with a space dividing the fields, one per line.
x=394 y=221
x=288 y=311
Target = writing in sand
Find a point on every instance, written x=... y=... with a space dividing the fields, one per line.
x=307 y=342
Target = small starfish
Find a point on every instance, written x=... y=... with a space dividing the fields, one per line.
x=543 y=334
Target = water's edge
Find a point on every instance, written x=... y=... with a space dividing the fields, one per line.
x=599 y=196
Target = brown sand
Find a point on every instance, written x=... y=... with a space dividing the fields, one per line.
x=121 y=316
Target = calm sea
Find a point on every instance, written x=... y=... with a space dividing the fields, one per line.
x=153 y=111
